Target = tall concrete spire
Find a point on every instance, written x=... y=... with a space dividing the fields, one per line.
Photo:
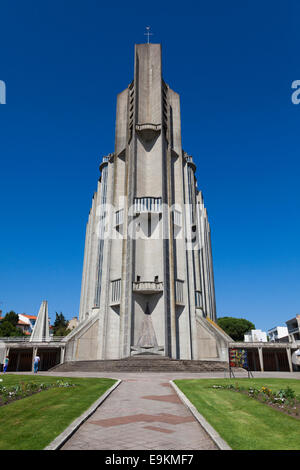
x=41 y=328
x=147 y=286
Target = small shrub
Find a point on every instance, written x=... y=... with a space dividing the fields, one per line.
x=285 y=399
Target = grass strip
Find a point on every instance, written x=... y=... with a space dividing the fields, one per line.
x=33 y=422
x=243 y=422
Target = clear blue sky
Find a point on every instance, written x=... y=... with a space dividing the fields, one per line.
x=233 y=64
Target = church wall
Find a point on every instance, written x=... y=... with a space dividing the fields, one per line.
x=91 y=262
x=149 y=171
x=175 y=121
x=121 y=122
x=104 y=309
x=85 y=276
x=86 y=345
x=183 y=339
x=207 y=348
x=83 y=280
x=119 y=204
x=112 y=334
x=70 y=350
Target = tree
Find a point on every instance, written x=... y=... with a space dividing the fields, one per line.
x=235 y=327
x=8 y=326
x=12 y=317
x=60 y=327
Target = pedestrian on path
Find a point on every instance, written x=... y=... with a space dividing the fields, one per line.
x=5 y=363
x=36 y=364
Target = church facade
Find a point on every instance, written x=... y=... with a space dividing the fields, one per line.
x=147 y=282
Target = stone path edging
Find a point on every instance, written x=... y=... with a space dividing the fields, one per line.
x=69 y=431
x=220 y=443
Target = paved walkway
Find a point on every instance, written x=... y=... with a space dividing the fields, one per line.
x=144 y=412
x=141 y=413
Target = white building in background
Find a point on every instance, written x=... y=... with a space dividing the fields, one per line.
x=26 y=323
x=255 y=336
x=73 y=323
x=293 y=327
x=278 y=334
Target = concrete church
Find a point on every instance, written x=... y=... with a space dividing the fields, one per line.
x=147 y=283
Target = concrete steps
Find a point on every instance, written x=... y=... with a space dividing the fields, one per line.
x=142 y=363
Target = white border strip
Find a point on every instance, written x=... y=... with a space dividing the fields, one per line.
x=220 y=443
x=67 y=433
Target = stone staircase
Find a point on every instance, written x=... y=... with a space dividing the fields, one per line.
x=142 y=363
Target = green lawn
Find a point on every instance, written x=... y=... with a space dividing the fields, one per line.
x=32 y=423
x=243 y=422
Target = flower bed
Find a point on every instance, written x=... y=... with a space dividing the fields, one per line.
x=22 y=390
x=284 y=400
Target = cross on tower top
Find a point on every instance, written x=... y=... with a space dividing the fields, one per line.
x=148 y=34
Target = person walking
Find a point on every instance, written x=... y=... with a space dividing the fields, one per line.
x=5 y=364
x=36 y=364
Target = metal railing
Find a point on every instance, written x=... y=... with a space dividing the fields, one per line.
x=26 y=339
x=291 y=331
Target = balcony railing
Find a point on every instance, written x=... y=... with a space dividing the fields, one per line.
x=147 y=287
x=179 y=291
x=291 y=331
x=119 y=217
x=177 y=219
x=148 y=126
x=116 y=292
x=147 y=204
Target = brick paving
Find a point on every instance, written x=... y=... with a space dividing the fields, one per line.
x=141 y=413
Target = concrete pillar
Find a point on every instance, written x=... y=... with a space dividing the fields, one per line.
x=62 y=355
x=18 y=361
x=34 y=353
x=261 y=359
x=289 y=355
x=6 y=352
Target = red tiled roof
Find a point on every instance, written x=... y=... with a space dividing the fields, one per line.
x=30 y=317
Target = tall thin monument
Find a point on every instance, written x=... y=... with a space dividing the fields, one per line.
x=147 y=282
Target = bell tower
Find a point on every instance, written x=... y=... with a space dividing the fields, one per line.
x=147 y=283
